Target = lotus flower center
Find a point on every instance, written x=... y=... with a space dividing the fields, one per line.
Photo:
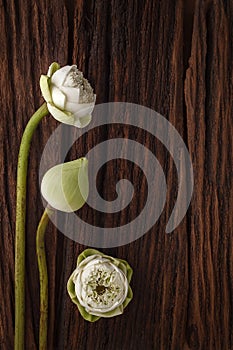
x=102 y=287
x=75 y=79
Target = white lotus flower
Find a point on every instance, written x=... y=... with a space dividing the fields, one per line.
x=100 y=285
x=69 y=96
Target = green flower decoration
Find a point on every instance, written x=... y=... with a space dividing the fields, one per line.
x=99 y=286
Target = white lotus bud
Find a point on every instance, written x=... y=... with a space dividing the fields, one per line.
x=69 y=96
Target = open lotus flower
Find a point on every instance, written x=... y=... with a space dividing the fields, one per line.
x=99 y=286
x=65 y=186
x=69 y=96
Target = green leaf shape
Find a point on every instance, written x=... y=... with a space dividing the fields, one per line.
x=122 y=264
x=65 y=186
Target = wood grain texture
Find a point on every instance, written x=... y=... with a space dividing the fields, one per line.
x=175 y=57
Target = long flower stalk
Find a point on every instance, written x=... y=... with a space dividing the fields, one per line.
x=20 y=225
x=42 y=265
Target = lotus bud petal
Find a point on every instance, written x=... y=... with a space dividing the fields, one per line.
x=65 y=186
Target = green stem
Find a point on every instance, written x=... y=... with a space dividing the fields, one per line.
x=20 y=225
x=41 y=258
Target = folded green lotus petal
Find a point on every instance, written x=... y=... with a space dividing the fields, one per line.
x=45 y=89
x=65 y=186
x=125 y=265
x=128 y=298
x=122 y=267
x=71 y=291
x=86 y=253
x=52 y=69
x=86 y=315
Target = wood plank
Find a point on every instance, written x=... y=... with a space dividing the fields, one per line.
x=176 y=58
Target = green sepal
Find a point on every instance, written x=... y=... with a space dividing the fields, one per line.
x=53 y=68
x=45 y=89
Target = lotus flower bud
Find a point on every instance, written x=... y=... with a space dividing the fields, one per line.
x=65 y=186
x=69 y=96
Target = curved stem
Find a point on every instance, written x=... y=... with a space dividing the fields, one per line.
x=20 y=225
x=41 y=258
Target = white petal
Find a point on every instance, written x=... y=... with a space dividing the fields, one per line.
x=88 y=259
x=69 y=80
x=60 y=115
x=63 y=117
x=59 y=99
x=82 y=122
x=60 y=75
x=72 y=93
x=118 y=311
x=80 y=109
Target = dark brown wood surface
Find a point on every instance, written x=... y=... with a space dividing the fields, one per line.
x=175 y=56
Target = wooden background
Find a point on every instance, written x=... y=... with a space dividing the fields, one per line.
x=175 y=56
